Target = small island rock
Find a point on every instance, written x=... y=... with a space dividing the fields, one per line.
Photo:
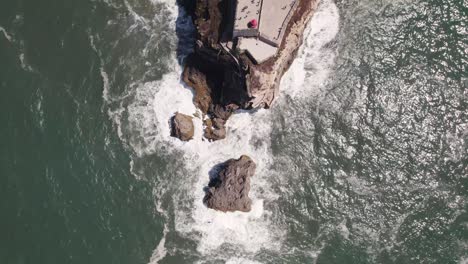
x=182 y=127
x=229 y=189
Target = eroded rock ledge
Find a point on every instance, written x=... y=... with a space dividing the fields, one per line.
x=226 y=81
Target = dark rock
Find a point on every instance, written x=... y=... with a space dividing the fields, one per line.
x=218 y=123
x=221 y=112
x=182 y=127
x=194 y=78
x=229 y=187
x=214 y=129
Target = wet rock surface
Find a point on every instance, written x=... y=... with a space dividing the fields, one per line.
x=182 y=127
x=215 y=129
x=229 y=186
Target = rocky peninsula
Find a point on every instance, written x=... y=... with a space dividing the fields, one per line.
x=242 y=50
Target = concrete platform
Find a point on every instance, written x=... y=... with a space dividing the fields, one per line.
x=246 y=10
x=274 y=18
x=257 y=49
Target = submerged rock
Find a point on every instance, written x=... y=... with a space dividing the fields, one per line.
x=182 y=127
x=229 y=188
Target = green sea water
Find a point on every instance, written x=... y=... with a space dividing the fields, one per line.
x=67 y=192
x=363 y=159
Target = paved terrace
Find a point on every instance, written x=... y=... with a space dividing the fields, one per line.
x=260 y=51
x=246 y=10
x=273 y=17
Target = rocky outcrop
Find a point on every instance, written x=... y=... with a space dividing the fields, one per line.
x=224 y=82
x=229 y=187
x=182 y=127
x=263 y=80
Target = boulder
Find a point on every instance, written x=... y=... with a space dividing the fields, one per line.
x=182 y=127
x=229 y=186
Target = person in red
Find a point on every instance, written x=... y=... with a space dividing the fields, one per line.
x=253 y=23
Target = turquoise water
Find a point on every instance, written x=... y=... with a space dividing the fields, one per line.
x=363 y=159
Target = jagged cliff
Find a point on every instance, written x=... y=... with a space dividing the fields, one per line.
x=225 y=82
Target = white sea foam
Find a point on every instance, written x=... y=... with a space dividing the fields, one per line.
x=310 y=70
x=104 y=76
x=241 y=261
x=249 y=230
x=171 y=6
x=155 y=102
x=160 y=252
x=5 y=33
x=20 y=46
x=105 y=81
x=24 y=64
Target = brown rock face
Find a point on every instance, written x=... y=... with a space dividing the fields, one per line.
x=263 y=79
x=182 y=127
x=197 y=80
x=215 y=129
x=229 y=188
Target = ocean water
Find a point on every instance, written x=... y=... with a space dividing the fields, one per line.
x=363 y=158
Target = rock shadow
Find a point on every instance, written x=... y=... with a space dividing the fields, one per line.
x=214 y=176
x=185 y=30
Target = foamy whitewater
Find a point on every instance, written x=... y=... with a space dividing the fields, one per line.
x=247 y=133
x=5 y=33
